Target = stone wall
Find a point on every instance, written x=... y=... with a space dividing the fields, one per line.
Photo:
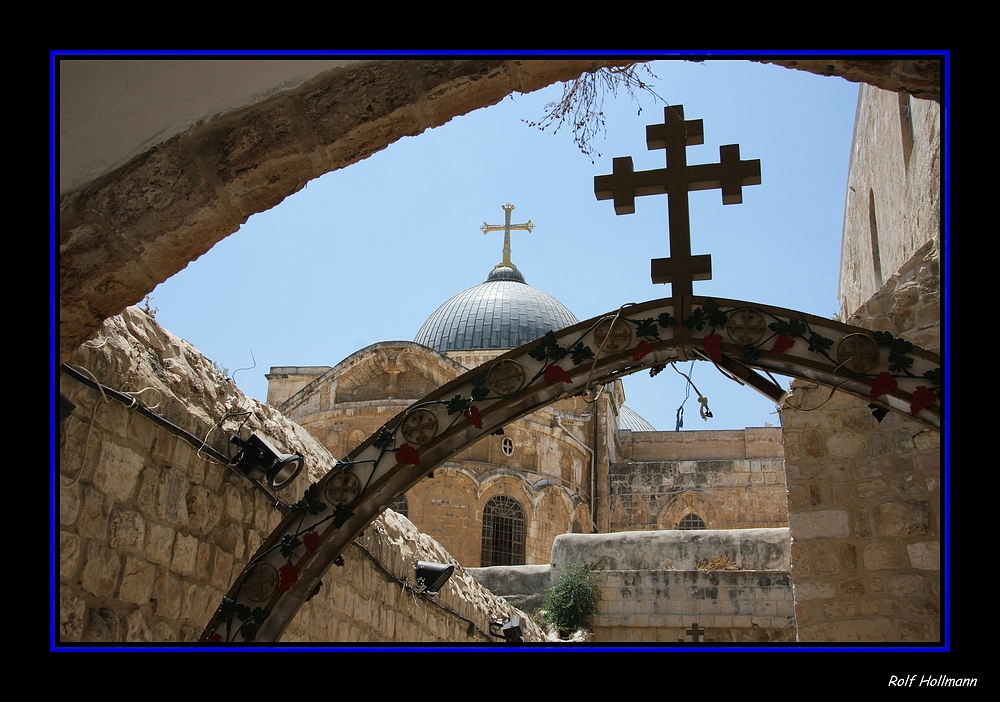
x=664 y=606
x=864 y=500
x=656 y=585
x=864 y=497
x=153 y=531
x=730 y=479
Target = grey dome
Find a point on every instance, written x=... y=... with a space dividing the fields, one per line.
x=502 y=313
x=629 y=419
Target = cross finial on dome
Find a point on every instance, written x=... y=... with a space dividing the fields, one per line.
x=506 y=227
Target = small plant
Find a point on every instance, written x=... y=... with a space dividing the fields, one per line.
x=148 y=308
x=723 y=562
x=572 y=601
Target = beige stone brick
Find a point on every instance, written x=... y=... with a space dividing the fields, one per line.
x=167 y=596
x=185 y=554
x=851 y=587
x=883 y=555
x=925 y=555
x=127 y=532
x=836 y=609
x=69 y=501
x=172 y=498
x=204 y=510
x=813 y=590
x=69 y=554
x=94 y=516
x=101 y=570
x=102 y=626
x=72 y=615
x=904 y=585
x=903 y=518
x=159 y=544
x=222 y=570
x=819 y=524
x=117 y=474
x=137 y=581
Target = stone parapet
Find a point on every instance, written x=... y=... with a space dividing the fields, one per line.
x=749 y=549
x=667 y=606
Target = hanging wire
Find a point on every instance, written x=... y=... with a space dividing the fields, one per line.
x=704 y=411
x=687 y=393
x=233 y=377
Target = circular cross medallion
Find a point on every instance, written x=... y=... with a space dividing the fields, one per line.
x=260 y=582
x=506 y=377
x=507 y=446
x=420 y=426
x=746 y=327
x=858 y=353
x=342 y=488
x=621 y=336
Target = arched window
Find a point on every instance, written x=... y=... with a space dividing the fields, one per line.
x=691 y=521
x=503 y=532
x=401 y=506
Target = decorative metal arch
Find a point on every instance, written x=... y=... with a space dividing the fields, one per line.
x=737 y=336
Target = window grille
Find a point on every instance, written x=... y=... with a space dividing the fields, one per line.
x=503 y=532
x=401 y=506
x=691 y=521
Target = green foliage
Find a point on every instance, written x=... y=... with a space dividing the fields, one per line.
x=572 y=601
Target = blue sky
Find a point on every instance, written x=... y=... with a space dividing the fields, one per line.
x=367 y=253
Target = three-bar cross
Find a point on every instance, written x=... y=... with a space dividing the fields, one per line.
x=624 y=185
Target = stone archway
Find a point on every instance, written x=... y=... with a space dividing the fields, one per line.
x=737 y=336
x=125 y=231
x=691 y=502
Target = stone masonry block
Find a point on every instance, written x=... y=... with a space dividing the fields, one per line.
x=813 y=591
x=925 y=555
x=904 y=585
x=69 y=502
x=184 y=555
x=204 y=510
x=69 y=554
x=172 y=497
x=100 y=573
x=159 y=544
x=883 y=556
x=167 y=595
x=72 y=613
x=94 y=516
x=902 y=518
x=825 y=558
x=137 y=581
x=819 y=524
x=127 y=531
x=117 y=474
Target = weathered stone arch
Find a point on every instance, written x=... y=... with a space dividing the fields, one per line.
x=126 y=231
x=361 y=366
x=572 y=362
x=691 y=502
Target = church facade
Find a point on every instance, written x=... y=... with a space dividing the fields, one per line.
x=582 y=465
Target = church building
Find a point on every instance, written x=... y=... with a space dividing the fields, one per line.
x=585 y=464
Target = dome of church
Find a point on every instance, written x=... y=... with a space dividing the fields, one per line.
x=629 y=419
x=501 y=313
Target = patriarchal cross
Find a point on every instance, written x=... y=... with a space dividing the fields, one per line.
x=624 y=184
x=506 y=227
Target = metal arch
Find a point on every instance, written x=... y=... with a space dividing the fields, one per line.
x=385 y=472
